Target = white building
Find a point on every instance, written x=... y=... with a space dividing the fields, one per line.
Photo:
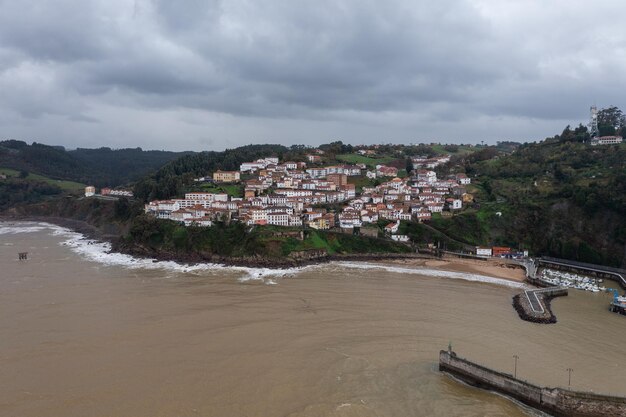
x=463 y=179
x=317 y=172
x=251 y=166
x=295 y=220
x=349 y=219
x=181 y=215
x=426 y=176
x=434 y=207
x=200 y=196
x=606 y=140
x=483 y=251
x=279 y=218
x=392 y=227
x=202 y=221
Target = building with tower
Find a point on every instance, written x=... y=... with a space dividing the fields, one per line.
x=594 y=132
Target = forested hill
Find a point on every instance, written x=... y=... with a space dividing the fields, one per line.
x=120 y=166
x=172 y=179
x=561 y=197
x=100 y=167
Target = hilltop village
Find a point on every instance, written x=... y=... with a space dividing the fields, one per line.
x=287 y=193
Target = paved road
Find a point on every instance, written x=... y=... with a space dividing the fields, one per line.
x=534 y=301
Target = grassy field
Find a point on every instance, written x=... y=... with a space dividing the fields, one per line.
x=362 y=181
x=333 y=243
x=64 y=185
x=233 y=190
x=360 y=159
x=460 y=150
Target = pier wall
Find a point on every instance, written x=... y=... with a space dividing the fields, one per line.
x=556 y=401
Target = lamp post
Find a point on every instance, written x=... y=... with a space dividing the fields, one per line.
x=569 y=379
x=515 y=369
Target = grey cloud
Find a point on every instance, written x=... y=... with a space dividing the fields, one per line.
x=187 y=16
x=59 y=30
x=343 y=65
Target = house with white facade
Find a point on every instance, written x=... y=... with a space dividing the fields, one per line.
x=392 y=228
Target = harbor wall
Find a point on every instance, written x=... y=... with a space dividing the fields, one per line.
x=614 y=274
x=555 y=401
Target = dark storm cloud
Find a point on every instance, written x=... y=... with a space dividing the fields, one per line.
x=229 y=72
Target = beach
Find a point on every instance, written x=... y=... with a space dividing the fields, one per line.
x=495 y=267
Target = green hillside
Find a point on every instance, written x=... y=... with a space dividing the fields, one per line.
x=176 y=177
x=561 y=197
x=238 y=240
x=100 y=167
x=70 y=186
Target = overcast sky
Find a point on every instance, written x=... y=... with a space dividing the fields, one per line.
x=204 y=75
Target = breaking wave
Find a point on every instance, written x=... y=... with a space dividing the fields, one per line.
x=100 y=252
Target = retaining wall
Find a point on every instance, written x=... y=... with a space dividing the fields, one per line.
x=556 y=401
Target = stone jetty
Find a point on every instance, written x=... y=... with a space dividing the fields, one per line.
x=558 y=402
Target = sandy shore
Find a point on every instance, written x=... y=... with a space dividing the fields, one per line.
x=497 y=268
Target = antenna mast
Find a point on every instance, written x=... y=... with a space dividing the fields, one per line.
x=593 y=122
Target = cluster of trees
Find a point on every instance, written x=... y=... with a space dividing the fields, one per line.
x=239 y=240
x=43 y=159
x=222 y=239
x=173 y=178
x=15 y=191
x=336 y=148
x=579 y=134
x=114 y=167
x=100 y=167
x=611 y=121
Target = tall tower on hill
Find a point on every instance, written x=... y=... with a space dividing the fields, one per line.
x=593 y=122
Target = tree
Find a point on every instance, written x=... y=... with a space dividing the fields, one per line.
x=409 y=166
x=611 y=121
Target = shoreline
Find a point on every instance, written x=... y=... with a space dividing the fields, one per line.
x=494 y=268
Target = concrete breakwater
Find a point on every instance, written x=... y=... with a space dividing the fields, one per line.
x=534 y=305
x=555 y=401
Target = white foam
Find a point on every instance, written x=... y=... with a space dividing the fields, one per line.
x=22 y=227
x=100 y=252
x=435 y=273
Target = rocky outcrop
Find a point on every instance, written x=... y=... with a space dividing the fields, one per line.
x=296 y=259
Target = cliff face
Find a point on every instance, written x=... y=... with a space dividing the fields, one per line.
x=296 y=259
x=95 y=218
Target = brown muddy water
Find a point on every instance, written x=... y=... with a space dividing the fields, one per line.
x=83 y=333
